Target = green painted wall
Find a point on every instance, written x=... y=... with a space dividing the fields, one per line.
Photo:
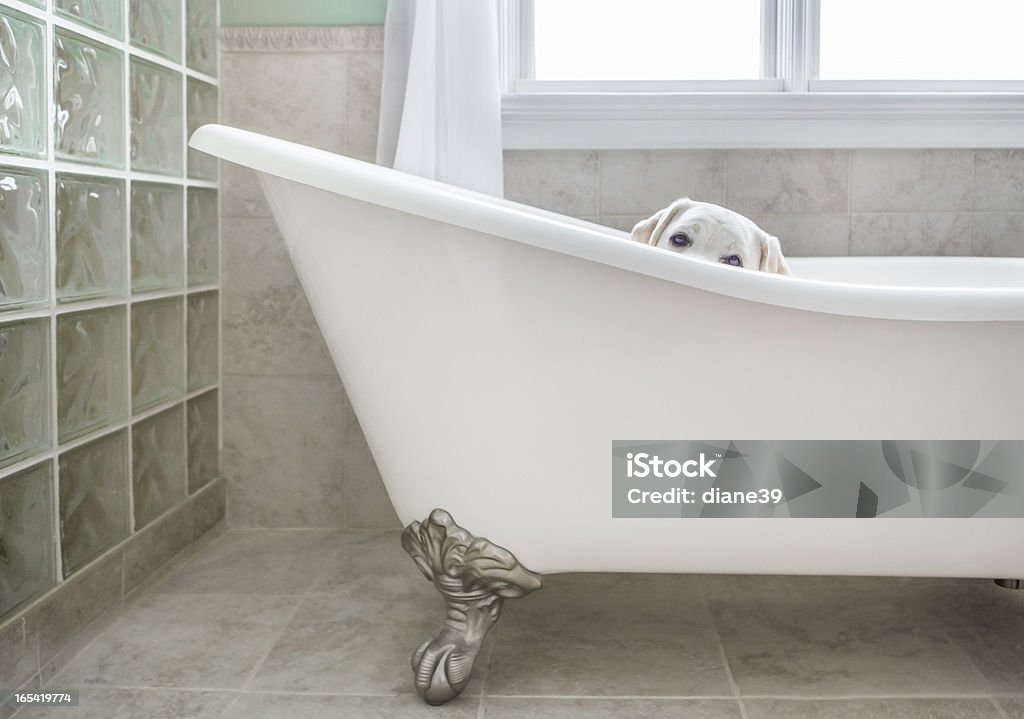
x=302 y=12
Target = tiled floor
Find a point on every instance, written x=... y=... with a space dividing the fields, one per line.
x=314 y=624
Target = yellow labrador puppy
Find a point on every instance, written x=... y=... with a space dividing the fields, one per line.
x=714 y=234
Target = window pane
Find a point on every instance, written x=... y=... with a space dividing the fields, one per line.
x=922 y=40
x=647 y=39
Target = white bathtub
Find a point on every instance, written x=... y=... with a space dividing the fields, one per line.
x=493 y=351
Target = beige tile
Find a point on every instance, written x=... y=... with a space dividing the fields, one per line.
x=808 y=235
x=997 y=234
x=170 y=640
x=208 y=508
x=641 y=182
x=873 y=709
x=240 y=193
x=254 y=562
x=911 y=180
x=368 y=506
x=910 y=233
x=999 y=180
x=363 y=104
x=368 y=564
x=19 y=656
x=267 y=324
x=774 y=181
x=564 y=181
x=606 y=635
x=843 y=637
x=576 y=708
x=275 y=706
x=1012 y=708
x=103 y=703
x=295 y=96
x=282 y=455
x=621 y=222
x=156 y=544
x=89 y=593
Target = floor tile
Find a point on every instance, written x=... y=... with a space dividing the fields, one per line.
x=370 y=564
x=873 y=709
x=1013 y=708
x=103 y=703
x=605 y=635
x=187 y=640
x=255 y=562
x=507 y=708
x=306 y=706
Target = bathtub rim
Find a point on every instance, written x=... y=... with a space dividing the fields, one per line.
x=551 y=231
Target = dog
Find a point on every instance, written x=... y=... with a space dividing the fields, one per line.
x=713 y=234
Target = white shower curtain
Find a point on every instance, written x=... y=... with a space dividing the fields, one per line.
x=441 y=97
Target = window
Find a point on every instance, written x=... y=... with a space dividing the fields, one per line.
x=763 y=73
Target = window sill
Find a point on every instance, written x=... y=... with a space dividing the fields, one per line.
x=762 y=120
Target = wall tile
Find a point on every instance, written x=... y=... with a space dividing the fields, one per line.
x=203 y=227
x=156 y=25
x=91 y=371
x=203 y=341
x=565 y=181
x=158 y=352
x=90 y=237
x=910 y=234
x=156 y=544
x=158 y=464
x=367 y=503
x=157 y=237
x=997 y=234
x=241 y=194
x=911 y=180
x=619 y=222
x=258 y=105
x=363 y=104
x=208 y=507
x=18 y=655
x=94 y=510
x=776 y=181
x=202 y=110
x=27 y=543
x=284 y=427
x=808 y=235
x=23 y=113
x=156 y=118
x=999 y=180
x=107 y=16
x=201 y=35
x=203 y=441
x=24 y=237
x=268 y=325
x=24 y=389
x=641 y=182
x=89 y=98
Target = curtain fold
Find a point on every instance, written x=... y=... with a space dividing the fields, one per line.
x=441 y=97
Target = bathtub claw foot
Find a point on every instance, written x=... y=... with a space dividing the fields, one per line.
x=475 y=577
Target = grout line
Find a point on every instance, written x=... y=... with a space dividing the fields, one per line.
x=999 y=708
x=722 y=653
x=270 y=648
x=481 y=708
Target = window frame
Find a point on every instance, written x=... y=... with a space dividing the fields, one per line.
x=789 y=106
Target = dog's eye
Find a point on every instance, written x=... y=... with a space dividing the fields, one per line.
x=681 y=239
x=733 y=260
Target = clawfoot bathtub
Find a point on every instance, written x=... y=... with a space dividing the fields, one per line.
x=493 y=352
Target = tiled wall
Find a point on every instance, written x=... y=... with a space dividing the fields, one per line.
x=818 y=202
x=109 y=346
x=294 y=455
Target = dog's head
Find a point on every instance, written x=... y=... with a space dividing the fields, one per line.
x=714 y=234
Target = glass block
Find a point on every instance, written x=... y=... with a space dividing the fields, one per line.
x=22 y=85
x=202 y=236
x=201 y=35
x=90 y=237
x=156 y=119
x=203 y=354
x=89 y=99
x=93 y=499
x=202 y=110
x=158 y=352
x=24 y=389
x=158 y=464
x=91 y=371
x=24 y=240
x=203 y=441
x=107 y=16
x=156 y=26
x=27 y=542
x=158 y=237
x=37 y=3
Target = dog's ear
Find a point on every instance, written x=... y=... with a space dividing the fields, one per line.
x=771 y=254
x=649 y=231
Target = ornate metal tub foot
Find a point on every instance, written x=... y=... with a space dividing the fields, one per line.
x=1010 y=583
x=475 y=577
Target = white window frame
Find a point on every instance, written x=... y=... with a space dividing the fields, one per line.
x=788 y=107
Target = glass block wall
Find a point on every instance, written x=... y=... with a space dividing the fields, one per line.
x=109 y=288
